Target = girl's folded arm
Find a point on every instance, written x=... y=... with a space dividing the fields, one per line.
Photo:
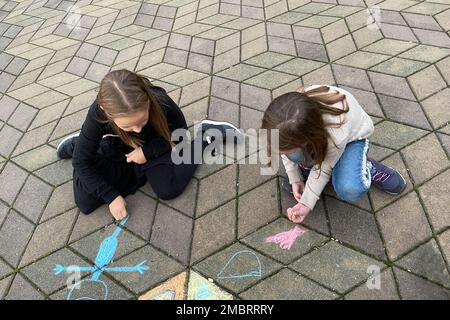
x=292 y=170
x=84 y=157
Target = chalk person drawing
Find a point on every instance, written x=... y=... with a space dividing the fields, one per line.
x=104 y=257
x=255 y=266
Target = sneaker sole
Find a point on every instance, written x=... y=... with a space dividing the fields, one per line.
x=65 y=139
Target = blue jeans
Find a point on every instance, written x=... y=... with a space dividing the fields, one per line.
x=350 y=177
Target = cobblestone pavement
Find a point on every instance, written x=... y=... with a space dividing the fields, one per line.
x=225 y=60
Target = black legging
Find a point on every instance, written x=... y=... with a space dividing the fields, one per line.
x=168 y=180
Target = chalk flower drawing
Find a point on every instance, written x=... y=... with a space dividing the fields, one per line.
x=104 y=257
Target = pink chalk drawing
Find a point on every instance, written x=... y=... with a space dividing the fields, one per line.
x=286 y=239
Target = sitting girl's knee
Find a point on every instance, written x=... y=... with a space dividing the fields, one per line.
x=349 y=192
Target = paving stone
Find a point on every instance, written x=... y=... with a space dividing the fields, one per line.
x=172 y=233
x=88 y=246
x=32 y=198
x=434 y=196
x=307 y=34
x=5 y=270
x=271 y=79
x=281 y=45
x=311 y=51
x=287 y=285
x=21 y=289
x=6 y=80
x=105 y=56
x=445 y=141
x=434 y=38
x=387 y=290
x=427 y=261
x=49 y=114
x=301 y=246
x=296 y=67
x=355 y=227
x=240 y=72
x=199 y=62
x=403 y=225
x=405 y=111
x=161 y=269
x=12 y=178
x=351 y=77
x=253 y=202
x=7 y=107
x=444 y=68
x=334 y=31
x=445 y=244
x=367 y=100
x=49 y=236
x=364 y=60
x=96 y=72
x=425 y=158
x=395 y=135
x=399 y=67
x=390 y=85
x=211 y=194
x=398 y=32
x=221 y=110
x=34 y=138
x=426 y=82
x=42 y=274
x=9 y=138
x=88 y=223
x=421 y=21
x=389 y=46
x=37 y=158
x=225 y=89
x=213 y=231
x=412 y=287
x=14 y=236
x=340 y=48
x=3 y=211
x=435 y=109
x=4 y=285
x=341 y=267
x=141 y=209
x=426 y=53
x=250 y=176
x=237 y=267
x=56 y=173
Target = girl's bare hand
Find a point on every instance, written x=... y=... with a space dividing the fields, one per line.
x=298 y=213
x=136 y=156
x=297 y=189
x=118 y=208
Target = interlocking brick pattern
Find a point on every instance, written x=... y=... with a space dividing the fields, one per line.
x=226 y=60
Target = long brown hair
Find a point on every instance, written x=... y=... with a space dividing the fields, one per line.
x=298 y=117
x=122 y=93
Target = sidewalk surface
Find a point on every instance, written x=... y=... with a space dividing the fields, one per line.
x=225 y=60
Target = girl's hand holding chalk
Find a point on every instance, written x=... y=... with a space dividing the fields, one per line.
x=118 y=208
x=136 y=156
x=298 y=213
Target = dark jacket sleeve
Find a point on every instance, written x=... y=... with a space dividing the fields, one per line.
x=84 y=156
x=156 y=146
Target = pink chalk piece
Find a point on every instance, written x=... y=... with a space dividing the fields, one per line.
x=286 y=239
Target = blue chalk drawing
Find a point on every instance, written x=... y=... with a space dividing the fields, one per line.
x=105 y=254
x=203 y=293
x=252 y=273
x=164 y=295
